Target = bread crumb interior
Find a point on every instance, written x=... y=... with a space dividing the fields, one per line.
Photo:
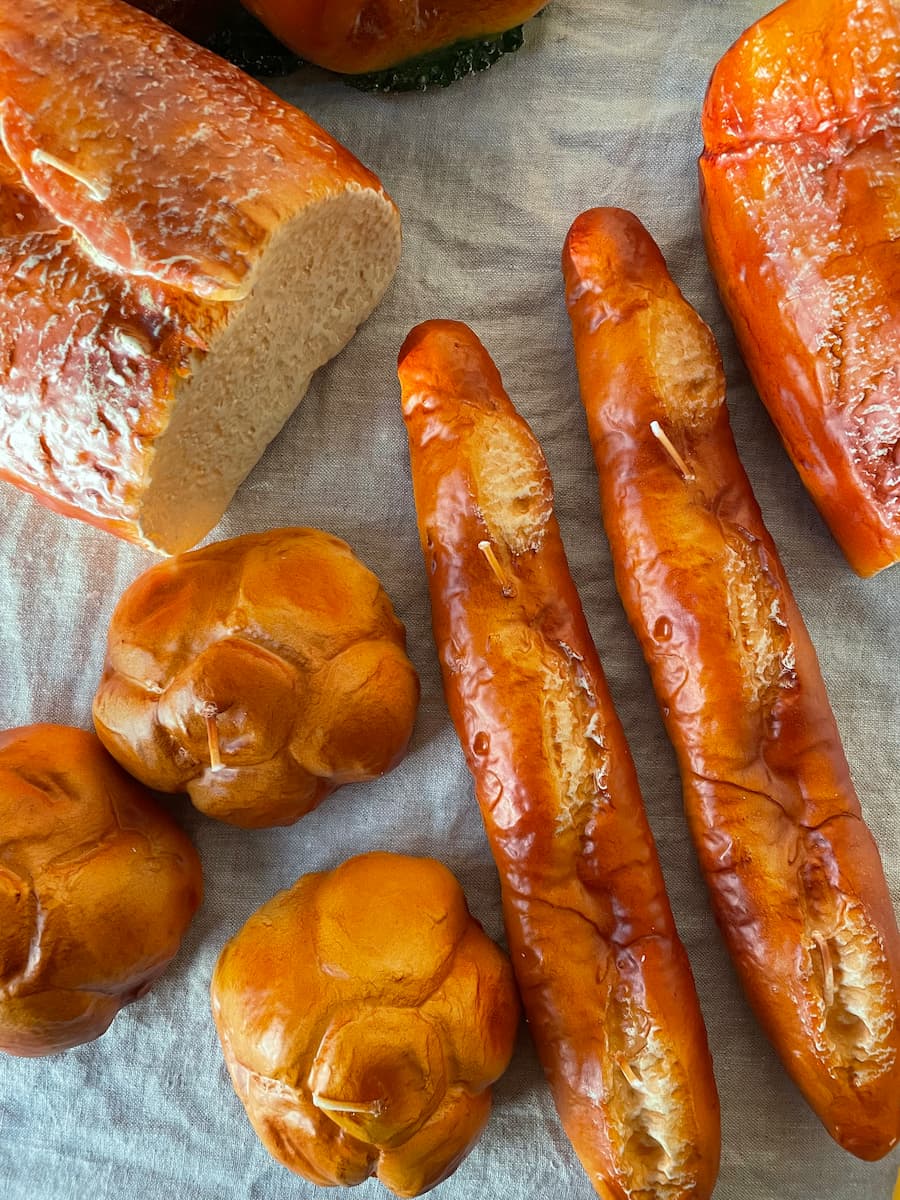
x=322 y=275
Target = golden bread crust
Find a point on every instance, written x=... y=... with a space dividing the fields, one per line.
x=370 y=35
x=142 y=182
x=257 y=674
x=373 y=1051
x=800 y=190
x=97 y=888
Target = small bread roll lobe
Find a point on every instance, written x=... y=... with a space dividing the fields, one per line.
x=258 y=675
x=364 y=1015
x=97 y=888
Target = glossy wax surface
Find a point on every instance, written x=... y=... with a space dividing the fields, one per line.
x=129 y=230
x=600 y=106
x=604 y=978
x=97 y=887
x=355 y=36
x=800 y=183
x=373 y=1051
x=257 y=675
x=794 y=874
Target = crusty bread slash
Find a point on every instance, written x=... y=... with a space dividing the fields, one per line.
x=179 y=252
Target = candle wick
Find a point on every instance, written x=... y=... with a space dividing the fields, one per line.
x=663 y=438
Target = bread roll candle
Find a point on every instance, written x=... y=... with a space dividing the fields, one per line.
x=364 y=1015
x=793 y=872
x=97 y=888
x=605 y=980
x=257 y=675
x=800 y=191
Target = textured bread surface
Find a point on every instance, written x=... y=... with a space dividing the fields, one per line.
x=605 y=980
x=181 y=251
x=794 y=874
x=372 y=1051
x=257 y=675
x=97 y=887
x=800 y=183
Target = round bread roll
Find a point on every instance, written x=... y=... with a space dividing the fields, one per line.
x=97 y=887
x=364 y=1015
x=257 y=675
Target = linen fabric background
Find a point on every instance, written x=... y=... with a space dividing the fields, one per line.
x=601 y=107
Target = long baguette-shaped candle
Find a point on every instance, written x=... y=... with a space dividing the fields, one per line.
x=794 y=874
x=604 y=978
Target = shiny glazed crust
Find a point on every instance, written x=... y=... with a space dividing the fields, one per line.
x=97 y=888
x=604 y=978
x=135 y=240
x=370 y=35
x=800 y=188
x=794 y=875
x=257 y=675
x=373 y=1051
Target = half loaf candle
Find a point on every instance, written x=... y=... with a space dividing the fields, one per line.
x=179 y=251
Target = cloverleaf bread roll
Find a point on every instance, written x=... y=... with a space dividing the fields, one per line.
x=181 y=251
x=257 y=675
x=97 y=888
x=364 y=1015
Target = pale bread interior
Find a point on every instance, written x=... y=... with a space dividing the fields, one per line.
x=512 y=482
x=321 y=276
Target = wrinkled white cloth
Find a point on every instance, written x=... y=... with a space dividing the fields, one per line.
x=601 y=107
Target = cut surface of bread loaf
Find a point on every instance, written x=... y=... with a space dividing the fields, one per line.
x=179 y=252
